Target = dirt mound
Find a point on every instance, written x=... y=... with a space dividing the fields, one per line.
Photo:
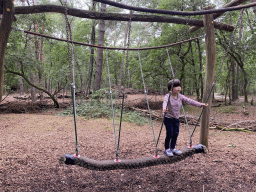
x=17 y=104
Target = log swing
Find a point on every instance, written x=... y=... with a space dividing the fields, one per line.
x=76 y=159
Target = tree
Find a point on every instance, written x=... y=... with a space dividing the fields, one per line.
x=5 y=29
x=99 y=60
x=89 y=79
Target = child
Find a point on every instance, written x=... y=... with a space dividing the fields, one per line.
x=171 y=109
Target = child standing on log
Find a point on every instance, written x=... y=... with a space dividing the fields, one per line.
x=171 y=109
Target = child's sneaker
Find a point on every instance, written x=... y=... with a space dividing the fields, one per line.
x=168 y=152
x=176 y=152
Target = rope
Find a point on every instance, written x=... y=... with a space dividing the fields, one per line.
x=102 y=47
x=126 y=66
x=72 y=71
x=224 y=58
x=112 y=107
x=150 y=116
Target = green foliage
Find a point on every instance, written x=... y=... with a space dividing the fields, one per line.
x=103 y=94
x=227 y=109
x=54 y=68
x=102 y=109
x=135 y=117
x=91 y=109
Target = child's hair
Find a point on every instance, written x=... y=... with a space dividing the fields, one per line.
x=173 y=83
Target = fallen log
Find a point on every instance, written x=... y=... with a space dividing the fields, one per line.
x=157 y=115
x=233 y=129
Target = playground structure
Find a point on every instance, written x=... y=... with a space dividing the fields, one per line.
x=208 y=24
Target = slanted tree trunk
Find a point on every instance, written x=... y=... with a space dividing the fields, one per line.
x=89 y=80
x=99 y=60
x=5 y=29
x=39 y=88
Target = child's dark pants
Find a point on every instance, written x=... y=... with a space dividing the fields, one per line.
x=172 y=132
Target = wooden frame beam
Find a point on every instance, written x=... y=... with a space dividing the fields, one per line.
x=216 y=15
x=169 y=12
x=115 y=16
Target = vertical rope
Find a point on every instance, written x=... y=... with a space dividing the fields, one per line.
x=112 y=107
x=126 y=67
x=72 y=72
x=150 y=116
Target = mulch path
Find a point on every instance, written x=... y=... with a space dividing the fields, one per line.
x=32 y=143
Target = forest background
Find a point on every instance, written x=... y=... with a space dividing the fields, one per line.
x=45 y=63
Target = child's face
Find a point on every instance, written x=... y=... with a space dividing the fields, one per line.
x=176 y=89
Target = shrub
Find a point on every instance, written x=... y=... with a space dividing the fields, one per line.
x=102 y=109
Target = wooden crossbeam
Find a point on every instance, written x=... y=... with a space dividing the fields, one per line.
x=170 y=12
x=216 y=15
x=116 y=16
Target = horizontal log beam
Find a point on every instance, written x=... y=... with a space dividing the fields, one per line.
x=115 y=16
x=216 y=15
x=168 y=12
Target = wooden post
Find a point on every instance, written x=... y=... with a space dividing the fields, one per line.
x=209 y=75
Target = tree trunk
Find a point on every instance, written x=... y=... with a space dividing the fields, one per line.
x=200 y=69
x=33 y=85
x=89 y=80
x=254 y=8
x=40 y=58
x=234 y=86
x=209 y=76
x=123 y=56
x=79 y=71
x=20 y=80
x=32 y=76
x=195 y=74
x=245 y=86
x=5 y=29
x=99 y=60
